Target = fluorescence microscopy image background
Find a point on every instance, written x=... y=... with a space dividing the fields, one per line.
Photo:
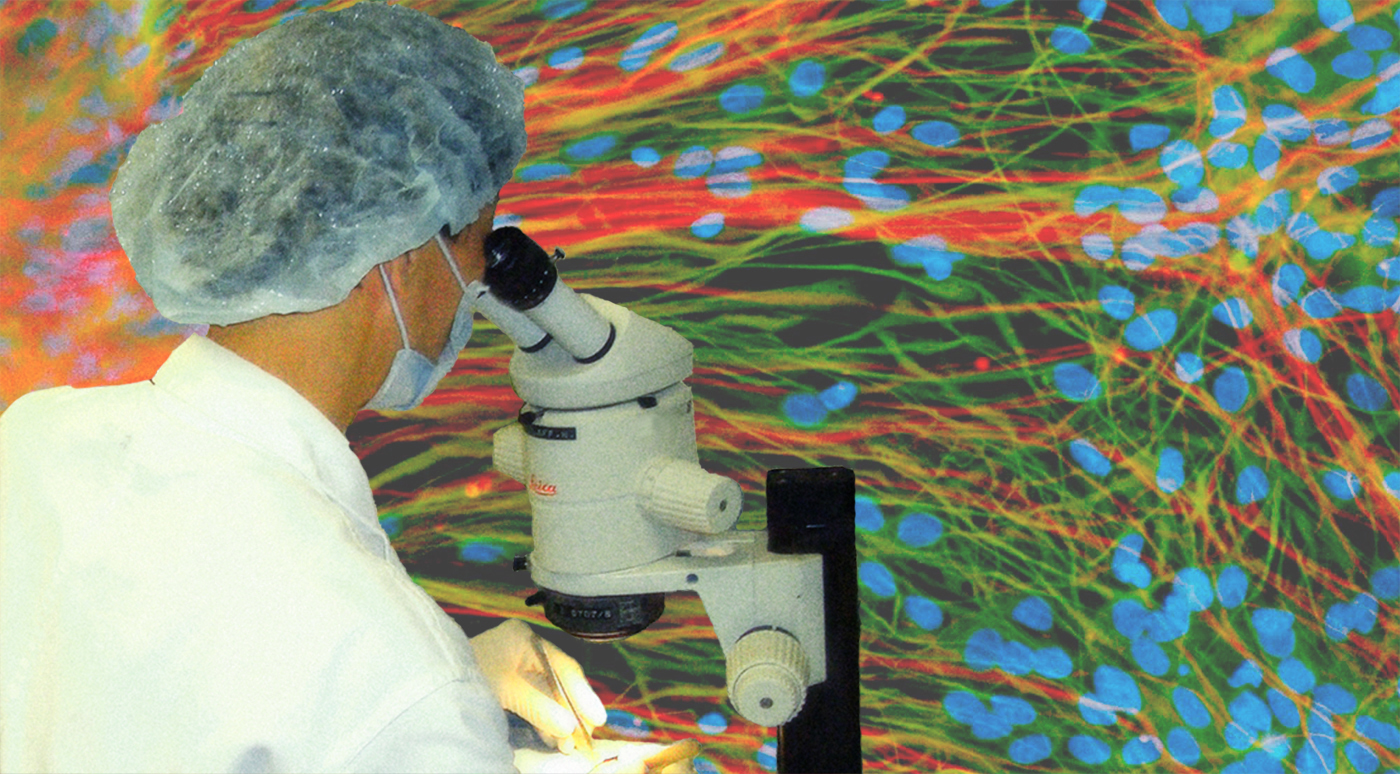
x=1098 y=299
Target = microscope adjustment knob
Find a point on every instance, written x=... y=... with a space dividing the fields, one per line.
x=684 y=495
x=766 y=673
x=508 y=451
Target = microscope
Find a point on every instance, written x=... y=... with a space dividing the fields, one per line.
x=622 y=512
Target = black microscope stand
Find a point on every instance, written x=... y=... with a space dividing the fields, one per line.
x=813 y=511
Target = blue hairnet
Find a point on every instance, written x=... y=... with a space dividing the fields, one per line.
x=309 y=154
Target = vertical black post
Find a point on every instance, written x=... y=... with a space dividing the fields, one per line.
x=813 y=511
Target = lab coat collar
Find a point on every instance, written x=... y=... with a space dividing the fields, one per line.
x=241 y=401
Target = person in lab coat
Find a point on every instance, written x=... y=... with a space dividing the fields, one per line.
x=192 y=572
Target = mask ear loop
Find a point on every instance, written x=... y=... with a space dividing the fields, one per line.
x=451 y=264
x=394 y=304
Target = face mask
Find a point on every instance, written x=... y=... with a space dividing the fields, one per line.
x=413 y=377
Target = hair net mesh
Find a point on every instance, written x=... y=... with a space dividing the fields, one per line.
x=310 y=153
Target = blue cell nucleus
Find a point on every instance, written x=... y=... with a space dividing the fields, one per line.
x=562 y=9
x=1247 y=673
x=1100 y=246
x=1384 y=734
x=1035 y=613
x=742 y=98
x=1266 y=155
x=1336 y=15
x=1183 y=746
x=645 y=157
x=1334 y=180
x=1385 y=583
x=1030 y=749
x=1234 y=312
x=1320 y=304
x=481 y=553
x=1189 y=367
x=1068 y=40
x=708 y=225
x=920 y=530
x=804 y=409
x=1289 y=66
x=1076 y=383
x=1228 y=111
x=869 y=517
x=1093 y=198
x=1251 y=486
x=1355 y=65
x=1189 y=706
x=1194 y=586
x=566 y=58
x=1144 y=136
x=889 y=119
x=1232 y=584
x=1052 y=662
x=1142 y=750
x=1287 y=281
x=1376 y=131
x=1150 y=657
x=1228 y=155
x=1117 y=301
x=1366 y=393
x=1382 y=232
x=1089 y=457
x=1303 y=344
x=1231 y=389
x=877 y=578
x=650 y=41
x=696 y=58
x=925 y=613
x=712 y=723
x=1368 y=38
x=1127 y=562
x=1089 y=750
x=1274 y=629
x=1171 y=472
x=1331 y=131
x=591 y=148
x=1093 y=9
x=1341 y=484
x=807 y=78
x=938 y=134
x=1296 y=675
x=1141 y=205
x=1286 y=123
x=1181 y=161
x=838 y=396
x=1151 y=330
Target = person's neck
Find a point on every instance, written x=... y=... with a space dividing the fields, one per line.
x=322 y=355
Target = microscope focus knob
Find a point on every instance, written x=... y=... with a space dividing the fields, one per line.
x=508 y=451
x=767 y=676
x=684 y=495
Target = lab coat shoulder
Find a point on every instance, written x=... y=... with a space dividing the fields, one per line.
x=219 y=580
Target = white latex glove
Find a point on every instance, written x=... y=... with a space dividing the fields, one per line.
x=512 y=665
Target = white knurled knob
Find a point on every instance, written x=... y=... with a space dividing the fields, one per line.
x=767 y=676
x=683 y=495
x=508 y=451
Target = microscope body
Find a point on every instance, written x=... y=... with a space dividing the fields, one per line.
x=621 y=511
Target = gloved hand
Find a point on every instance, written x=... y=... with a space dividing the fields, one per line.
x=519 y=679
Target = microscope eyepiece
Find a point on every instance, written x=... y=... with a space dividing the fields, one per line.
x=518 y=270
x=522 y=278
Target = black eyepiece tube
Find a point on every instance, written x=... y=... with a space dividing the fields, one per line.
x=522 y=277
x=519 y=271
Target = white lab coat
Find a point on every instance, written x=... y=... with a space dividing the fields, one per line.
x=193 y=578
